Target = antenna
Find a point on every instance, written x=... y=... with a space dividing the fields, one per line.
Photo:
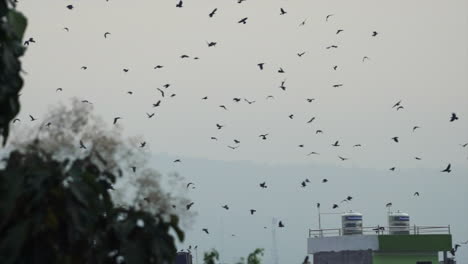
x=274 y=251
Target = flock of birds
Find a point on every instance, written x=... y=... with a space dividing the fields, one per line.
x=165 y=93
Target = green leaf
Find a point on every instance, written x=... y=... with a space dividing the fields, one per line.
x=18 y=23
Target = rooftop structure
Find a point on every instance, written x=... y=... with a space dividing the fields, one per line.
x=397 y=243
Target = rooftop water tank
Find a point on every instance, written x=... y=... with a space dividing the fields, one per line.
x=351 y=223
x=398 y=223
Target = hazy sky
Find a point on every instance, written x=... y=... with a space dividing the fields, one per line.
x=420 y=57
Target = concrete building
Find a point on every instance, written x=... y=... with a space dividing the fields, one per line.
x=397 y=243
x=183 y=258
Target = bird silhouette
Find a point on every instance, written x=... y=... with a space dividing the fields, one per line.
x=243 y=21
x=142 y=144
x=66 y=29
x=417 y=158
x=70 y=7
x=332 y=47
x=318 y=131
x=281 y=70
x=306 y=260
x=336 y=144
x=188 y=184
x=219 y=126
x=303 y=23
x=206 y=231
x=263 y=136
x=388 y=205
x=82 y=146
x=280 y=224
x=158 y=103
x=150 y=115
x=177 y=161
x=335 y=67
x=223 y=106
x=311 y=120
x=84 y=67
x=339 y=31
x=59 y=90
x=16 y=120
x=303 y=184
x=374 y=33
x=324 y=181
x=240 y=1
x=161 y=91
x=301 y=54
x=448 y=168
x=225 y=207
x=158 y=67
x=342 y=158
x=211 y=44
x=133 y=169
x=313 y=153
x=399 y=108
x=291 y=116
x=337 y=85
x=282 y=11
x=233 y=147
x=213 y=12
x=335 y=206
x=252 y=211
x=395 y=139
x=125 y=70
x=453 y=117
x=106 y=34
x=464 y=145
x=392 y=168
x=263 y=185
x=32 y=118
x=260 y=65
x=205 y=98
x=282 y=85
x=357 y=145
x=328 y=16
x=180 y=4
x=365 y=58
x=416 y=194
x=188 y=206
x=116 y=119
x=310 y=100
x=397 y=104
x=415 y=127
x=249 y=102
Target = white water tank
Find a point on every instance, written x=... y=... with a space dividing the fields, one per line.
x=351 y=223
x=398 y=223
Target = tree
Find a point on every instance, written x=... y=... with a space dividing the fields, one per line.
x=254 y=257
x=210 y=257
x=57 y=204
x=12 y=27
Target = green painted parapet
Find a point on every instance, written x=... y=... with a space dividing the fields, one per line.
x=439 y=242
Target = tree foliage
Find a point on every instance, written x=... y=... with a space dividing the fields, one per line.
x=254 y=257
x=56 y=198
x=12 y=27
x=211 y=257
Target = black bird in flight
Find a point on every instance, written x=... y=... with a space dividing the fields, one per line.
x=180 y=4
x=133 y=169
x=263 y=185
x=342 y=158
x=223 y=106
x=188 y=184
x=453 y=117
x=397 y=104
x=335 y=67
x=158 y=67
x=252 y=211
x=374 y=33
x=280 y=224
x=365 y=58
x=303 y=184
x=303 y=23
x=357 y=145
x=310 y=100
x=211 y=44
x=324 y=181
x=70 y=7
x=249 y=102
x=281 y=70
x=125 y=70
x=16 y=120
x=225 y=207
x=339 y=31
x=161 y=91
x=260 y=65
x=59 y=90
x=282 y=11
x=282 y=85
x=205 y=98
x=306 y=260
x=130 y=92
x=318 y=131
x=311 y=120
x=236 y=141
x=415 y=127
x=106 y=34
x=243 y=21
x=263 y=136
x=116 y=119
x=301 y=54
x=417 y=158
x=184 y=56
x=332 y=46
x=66 y=29
x=84 y=67
x=143 y=144
x=416 y=194
x=328 y=16
x=219 y=126
x=448 y=169
x=337 y=85
x=150 y=115
x=388 y=205
x=158 y=103
x=177 y=161
x=233 y=147
x=213 y=12
x=82 y=146
x=392 y=168
x=395 y=139
x=240 y=1
x=400 y=107
x=464 y=145
x=188 y=206
x=313 y=153
x=206 y=231
x=336 y=144
x=236 y=99
x=291 y=116
x=335 y=206
x=32 y=118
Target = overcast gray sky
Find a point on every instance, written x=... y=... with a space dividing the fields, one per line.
x=420 y=57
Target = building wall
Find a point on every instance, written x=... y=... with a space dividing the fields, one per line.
x=342 y=243
x=404 y=258
x=344 y=257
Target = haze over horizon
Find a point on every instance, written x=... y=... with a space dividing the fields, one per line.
x=419 y=57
